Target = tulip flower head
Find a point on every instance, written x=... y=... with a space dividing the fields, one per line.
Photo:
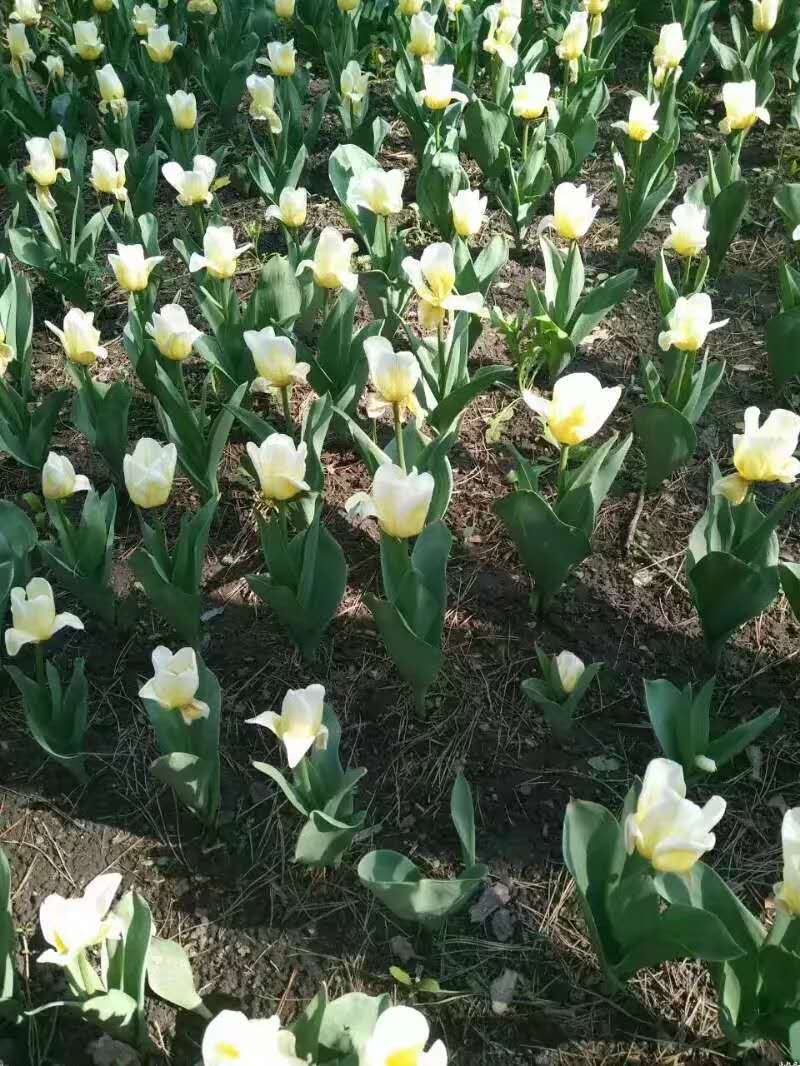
x=667 y=829
x=79 y=338
x=172 y=332
x=193 y=186
x=346 y=6
x=741 y=112
x=669 y=51
x=284 y=9
x=354 y=83
x=174 y=684
x=88 y=45
x=331 y=264
x=433 y=276
x=530 y=99
x=762 y=453
x=219 y=253
x=399 y=500
x=291 y=209
x=574 y=211
x=58 y=142
x=183 y=107
x=59 y=480
x=275 y=360
x=689 y=324
x=281 y=58
x=765 y=15
x=787 y=891
x=202 y=7
x=102 y=7
x=569 y=669
x=158 y=45
x=422 y=36
x=262 y=101
x=438 y=92
x=579 y=408
x=399 y=1039
x=394 y=376
x=108 y=172
x=499 y=40
x=33 y=616
x=43 y=167
x=55 y=66
x=132 y=268
x=595 y=7
x=688 y=235
x=379 y=191
x=299 y=726
x=149 y=472
x=468 y=209
x=574 y=40
x=280 y=466
x=71 y=926
x=7 y=354
x=112 y=92
x=143 y=19
x=232 y=1037
x=409 y=7
x=642 y=122
x=27 y=12
x=21 y=52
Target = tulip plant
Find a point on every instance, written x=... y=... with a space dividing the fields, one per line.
x=321 y=790
x=783 y=330
x=563 y=684
x=18 y=539
x=9 y=1002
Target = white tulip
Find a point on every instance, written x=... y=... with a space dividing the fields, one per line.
x=668 y=830
x=55 y=66
x=399 y=1039
x=765 y=15
x=59 y=479
x=331 y=264
x=762 y=453
x=394 y=376
x=132 y=268
x=143 y=19
x=43 y=168
x=27 y=12
x=87 y=45
x=688 y=235
x=671 y=47
x=433 y=276
x=299 y=726
x=71 y=926
x=530 y=99
x=280 y=466
x=184 y=109
x=58 y=142
x=642 y=122
x=422 y=35
x=787 y=891
x=741 y=112
x=149 y=472
x=574 y=211
x=595 y=7
x=200 y=7
x=284 y=9
x=112 y=92
x=574 y=38
x=21 y=52
x=172 y=332
x=7 y=353
x=499 y=40
x=400 y=501
x=468 y=209
x=79 y=338
x=689 y=324
x=193 y=186
x=345 y=6
x=570 y=670
x=219 y=253
x=410 y=7
x=108 y=172
x=262 y=101
x=438 y=92
x=579 y=408
x=33 y=616
x=354 y=83
x=291 y=209
x=380 y=191
x=158 y=45
x=232 y=1039
x=174 y=684
x=275 y=359
x=281 y=58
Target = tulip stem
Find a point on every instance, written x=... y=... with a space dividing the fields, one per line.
x=283 y=519
x=687 y=271
x=41 y=675
x=566 y=83
x=525 y=127
x=398 y=437
x=442 y=367
x=287 y=411
x=562 y=469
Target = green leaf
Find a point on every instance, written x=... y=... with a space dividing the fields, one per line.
x=789 y=574
x=291 y=794
x=463 y=814
x=681 y=932
x=399 y=885
x=8 y=943
x=169 y=975
x=727 y=592
x=417 y=661
x=347 y=1024
x=595 y=305
x=725 y=219
x=783 y=346
x=114 y=1012
x=667 y=439
x=307 y=1026
x=485 y=125
x=276 y=300
x=727 y=747
x=323 y=840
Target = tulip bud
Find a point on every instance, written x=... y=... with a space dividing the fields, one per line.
x=787 y=891
x=33 y=616
x=409 y=7
x=131 y=268
x=579 y=408
x=530 y=100
x=399 y=1037
x=345 y=6
x=502 y=31
x=671 y=47
x=573 y=211
x=400 y=500
x=59 y=479
x=262 y=101
x=762 y=453
x=595 y=7
x=144 y=19
x=331 y=264
x=765 y=15
x=108 y=172
x=380 y=191
x=219 y=253
x=149 y=472
x=193 y=186
x=575 y=38
x=88 y=45
x=79 y=338
x=201 y=7
x=394 y=375
x=299 y=726
x=55 y=66
x=689 y=324
x=172 y=332
x=27 y=12
x=688 y=234
x=174 y=684
x=42 y=161
x=184 y=109
x=281 y=58
x=284 y=9
x=438 y=92
x=569 y=669
x=58 y=142
x=21 y=52
x=741 y=112
x=422 y=35
x=112 y=92
x=280 y=466
x=158 y=45
x=291 y=209
x=102 y=7
x=468 y=208
x=275 y=358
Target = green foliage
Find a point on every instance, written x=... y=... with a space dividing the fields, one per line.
x=9 y=1004
x=547 y=692
x=57 y=716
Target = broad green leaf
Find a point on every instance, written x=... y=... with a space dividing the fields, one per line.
x=667 y=439
x=727 y=592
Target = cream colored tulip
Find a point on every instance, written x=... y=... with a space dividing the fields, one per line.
x=671 y=47
x=291 y=209
x=409 y=7
x=143 y=19
x=192 y=186
x=346 y=6
x=149 y=472
x=642 y=122
x=569 y=669
x=232 y=1039
x=530 y=99
x=262 y=101
x=183 y=107
x=689 y=324
x=21 y=52
x=280 y=466
x=299 y=726
x=59 y=480
x=354 y=83
x=579 y=408
x=108 y=172
x=574 y=38
x=787 y=891
x=275 y=359
x=762 y=453
x=112 y=92
x=219 y=253
x=27 y=12
x=55 y=66
x=667 y=829
x=158 y=45
x=574 y=211
x=71 y=926
x=765 y=15
x=284 y=9
x=79 y=338
x=595 y=8
x=688 y=235
x=394 y=376
x=379 y=191
x=58 y=142
x=33 y=616
x=438 y=92
x=42 y=167
x=499 y=40
x=7 y=354
x=400 y=501
x=88 y=45
x=454 y=7
x=172 y=332
x=207 y=8
x=132 y=268
x=468 y=209
x=281 y=58
x=741 y=112
x=174 y=684
x=399 y=1039
x=331 y=264
x=422 y=35
x=433 y=276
